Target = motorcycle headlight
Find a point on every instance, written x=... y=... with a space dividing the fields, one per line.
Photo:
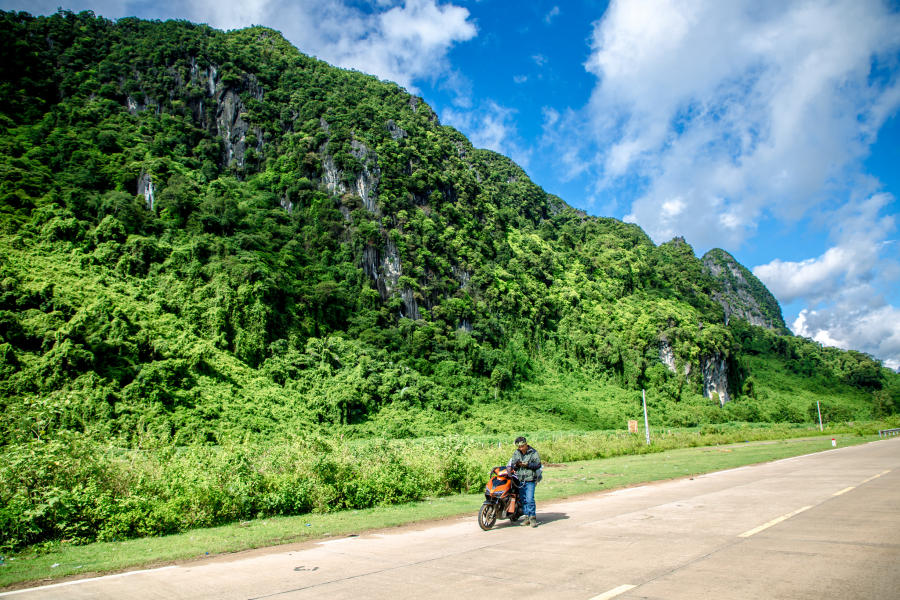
x=498 y=494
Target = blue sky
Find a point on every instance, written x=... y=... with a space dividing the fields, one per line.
x=767 y=128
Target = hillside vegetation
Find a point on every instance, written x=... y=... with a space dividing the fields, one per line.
x=215 y=250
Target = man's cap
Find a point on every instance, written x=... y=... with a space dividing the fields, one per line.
x=520 y=440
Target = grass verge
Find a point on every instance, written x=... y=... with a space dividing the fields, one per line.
x=560 y=481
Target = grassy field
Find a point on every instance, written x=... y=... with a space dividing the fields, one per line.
x=560 y=481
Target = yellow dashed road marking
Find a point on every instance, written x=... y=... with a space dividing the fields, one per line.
x=876 y=476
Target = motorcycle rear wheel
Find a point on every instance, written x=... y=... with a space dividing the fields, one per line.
x=516 y=513
x=487 y=516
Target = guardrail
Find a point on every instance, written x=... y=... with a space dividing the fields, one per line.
x=888 y=432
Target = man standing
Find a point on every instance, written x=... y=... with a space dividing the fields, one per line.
x=527 y=464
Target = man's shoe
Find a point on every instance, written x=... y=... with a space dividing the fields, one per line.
x=534 y=522
x=526 y=522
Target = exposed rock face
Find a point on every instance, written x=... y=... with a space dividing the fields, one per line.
x=395 y=130
x=410 y=305
x=667 y=355
x=391 y=269
x=461 y=275
x=371 y=263
x=211 y=82
x=715 y=377
x=743 y=296
x=367 y=181
x=232 y=127
x=365 y=186
x=228 y=121
x=384 y=267
x=331 y=176
x=713 y=370
x=145 y=189
x=135 y=106
x=381 y=264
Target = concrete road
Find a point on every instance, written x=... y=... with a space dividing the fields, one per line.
x=820 y=526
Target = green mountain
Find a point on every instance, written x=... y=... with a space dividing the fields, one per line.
x=210 y=234
x=212 y=244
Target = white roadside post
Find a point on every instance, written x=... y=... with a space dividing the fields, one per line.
x=819 y=410
x=646 y=424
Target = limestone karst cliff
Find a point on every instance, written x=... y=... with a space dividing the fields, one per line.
x=742 y=294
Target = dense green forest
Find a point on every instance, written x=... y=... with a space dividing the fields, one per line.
x=215 y=249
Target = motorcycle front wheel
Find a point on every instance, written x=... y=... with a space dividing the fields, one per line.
x=487 y=516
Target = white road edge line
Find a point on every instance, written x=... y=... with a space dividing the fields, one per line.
x=614 y=592
x=343 y=540
x=756 y=530
x=844 y=491
x=77 y=581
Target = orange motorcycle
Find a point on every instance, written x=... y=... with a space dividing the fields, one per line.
x=501 y=498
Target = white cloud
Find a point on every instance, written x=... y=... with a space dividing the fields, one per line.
x=226 y=15
x=402 y=41
x=873 y=329
x=551 y=116
x=740 y=108
x=558 y=131
x=862 y=250
x=673 y=207
x=554 y=12
x=812 y=278
x=407 y=41
x=844 y=306
x=410 y=41
x=493 y=127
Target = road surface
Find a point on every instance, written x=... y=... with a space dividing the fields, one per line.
x=821 y=526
